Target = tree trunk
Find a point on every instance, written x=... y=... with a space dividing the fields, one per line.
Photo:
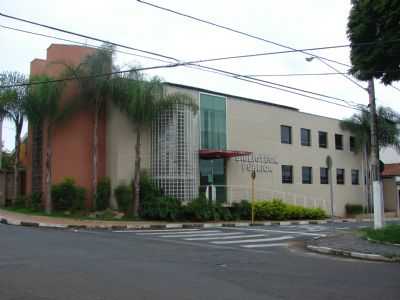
x=16 y=160
x=94 y=162
x=49 y=203
x=136 y=179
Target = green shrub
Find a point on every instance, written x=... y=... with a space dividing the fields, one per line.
x=201 y=210
x=354 y=209
x=20 y=202
x=123 y=195
x=148 y=191
x=278 y=210
x=67 y=195
x=103 y=193
x=35 y=201
x=224 y=213
x=241 y=210
x=161 y=208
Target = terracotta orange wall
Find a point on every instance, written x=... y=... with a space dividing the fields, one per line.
x=71 y=139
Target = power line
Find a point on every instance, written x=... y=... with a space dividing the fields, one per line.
x=215 y=70
x=86 y=36
x=87 y=77
x=321 y=58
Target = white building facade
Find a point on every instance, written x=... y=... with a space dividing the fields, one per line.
x=214 y=151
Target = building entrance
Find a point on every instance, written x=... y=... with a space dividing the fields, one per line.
x=213 y=179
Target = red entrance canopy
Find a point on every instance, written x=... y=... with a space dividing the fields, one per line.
x=211 y=154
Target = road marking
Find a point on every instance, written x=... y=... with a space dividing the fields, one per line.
x=287 y=237
x=265 y=245
x=178 y=232
x=200 y=234
x=225 y=237
x=281 y=231
x=151 y=230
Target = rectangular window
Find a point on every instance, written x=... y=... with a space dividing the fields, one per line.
x=340 y=176
x=305 y=137
x=323 y=139
x=355 y=180
x=352 y=141
x=286 y=134
x=287 y=174
x=339 y=141
x=213 y=121
x=323 y=175
x=306 y=173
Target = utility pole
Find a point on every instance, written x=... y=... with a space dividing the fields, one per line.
x=376 y=177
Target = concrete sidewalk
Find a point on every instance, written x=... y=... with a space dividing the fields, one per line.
x=351 y=244
x=14 y=218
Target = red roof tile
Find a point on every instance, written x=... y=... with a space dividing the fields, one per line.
x=391 y=170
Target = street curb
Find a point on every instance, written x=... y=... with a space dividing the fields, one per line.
x=344 y=253
x=383 y=243
x=11 y=221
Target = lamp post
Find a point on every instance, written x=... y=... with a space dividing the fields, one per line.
x=377 y=190
x=330 y=179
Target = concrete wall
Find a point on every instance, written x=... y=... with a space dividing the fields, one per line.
x=72 y=139
x=390 y=194
x=255 y=127
x=121 y=141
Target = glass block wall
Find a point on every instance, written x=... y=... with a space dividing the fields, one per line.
x=175 y=147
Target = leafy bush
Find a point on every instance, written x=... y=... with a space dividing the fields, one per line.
x=161 y=208
x=36 y=201
x=278 y=210
x=200 y=210
x=354 y=209
x=103 y=193
x=123 y=195
x=224 y=213
x=20 y=202
x=67 y=195
x=241 y=210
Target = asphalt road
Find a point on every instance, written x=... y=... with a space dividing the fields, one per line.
x=44 y=264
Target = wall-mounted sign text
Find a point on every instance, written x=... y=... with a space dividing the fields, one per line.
x=259 y=162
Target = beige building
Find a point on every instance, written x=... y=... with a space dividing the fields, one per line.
x=215 y=151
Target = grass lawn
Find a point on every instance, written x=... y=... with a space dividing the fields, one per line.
x=389 y=233
x=79 y=215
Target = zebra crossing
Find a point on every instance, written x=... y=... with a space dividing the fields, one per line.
x=240 y=238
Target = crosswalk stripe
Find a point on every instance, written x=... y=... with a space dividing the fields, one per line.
x=201 y=234
x=154 y=231
x=224 y=237
x=178 y=232
x=287 y=237
x=265 y=245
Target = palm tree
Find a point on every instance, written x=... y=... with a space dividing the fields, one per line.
x=387 y=127
x=387 y=131
x=43 y=109
x=94 y=92
x=142 y=101
x=12 y=103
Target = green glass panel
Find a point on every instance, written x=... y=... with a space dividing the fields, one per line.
x=213 y=122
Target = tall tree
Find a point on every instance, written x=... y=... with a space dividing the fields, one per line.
x=94 y=93
x=12 y=102
x=142 y=101
x=43 y=109
x=377 y=22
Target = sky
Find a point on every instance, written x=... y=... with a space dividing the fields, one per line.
x=299 y=24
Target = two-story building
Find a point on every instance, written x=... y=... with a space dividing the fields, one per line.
x=215 y=150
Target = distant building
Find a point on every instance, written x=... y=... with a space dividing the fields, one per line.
x=211 y=152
